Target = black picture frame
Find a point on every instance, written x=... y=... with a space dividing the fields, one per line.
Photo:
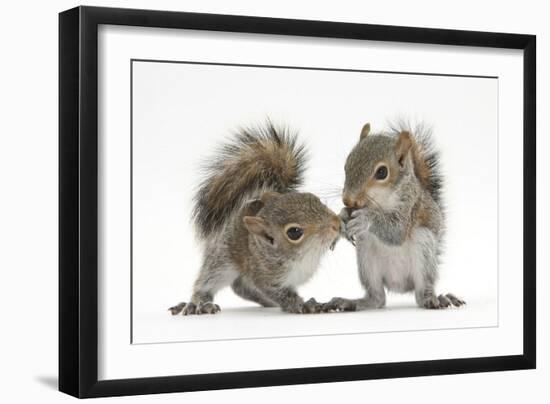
x=78 y=200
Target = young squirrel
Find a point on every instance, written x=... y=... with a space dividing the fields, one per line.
x=395 y=216
x=261 y=236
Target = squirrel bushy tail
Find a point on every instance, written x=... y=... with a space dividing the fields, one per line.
x=257 y=158
x=426 y=158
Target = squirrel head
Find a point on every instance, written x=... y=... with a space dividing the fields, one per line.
x=291 y=222
x=374 y=167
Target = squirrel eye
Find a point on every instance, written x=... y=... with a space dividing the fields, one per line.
x=294 y=233
x=381 y=173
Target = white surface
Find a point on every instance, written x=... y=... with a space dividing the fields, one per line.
x=183 y=112
x=251 y=321
x=28 y=162
x=119 y=359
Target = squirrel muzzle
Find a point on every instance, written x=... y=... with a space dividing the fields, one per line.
x=352 y=202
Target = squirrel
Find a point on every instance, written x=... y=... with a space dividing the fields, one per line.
x=394 y=215
x=261 y=236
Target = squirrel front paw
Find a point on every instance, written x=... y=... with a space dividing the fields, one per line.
x=191 y=308
x=358 y=224
x=298 y=307
x=312 y=306
x=345 y=216
x=340 y=304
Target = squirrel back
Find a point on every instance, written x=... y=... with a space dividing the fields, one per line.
x=425 y=157
x=257 y=159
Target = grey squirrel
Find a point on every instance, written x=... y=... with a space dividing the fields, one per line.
x=260 y=236
x=394 y=214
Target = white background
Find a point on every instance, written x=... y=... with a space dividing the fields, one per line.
x=183 y=111
x=29 y=215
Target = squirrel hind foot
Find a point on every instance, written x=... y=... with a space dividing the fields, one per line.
x=455 y=301
x=207 y=308
x=177 y=309
x=190 y=308
x=443 y=302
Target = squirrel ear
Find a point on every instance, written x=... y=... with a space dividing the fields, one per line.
x=402 y=147
x=253 y=207
x=266 y=196
x=256 y=225
x=365 y=131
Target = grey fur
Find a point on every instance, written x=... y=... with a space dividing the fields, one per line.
x=248 y=291
x=423 y=135
x=209 y=219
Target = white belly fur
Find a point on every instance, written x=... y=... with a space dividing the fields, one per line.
x=303 y=268
x=399 y=268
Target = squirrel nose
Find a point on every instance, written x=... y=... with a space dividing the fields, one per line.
x=347 y=201
x=350 y=202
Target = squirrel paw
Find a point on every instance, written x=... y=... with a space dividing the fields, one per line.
x=338 y=304
x=177 y=309
x=312 y=306
x=443 y=302
x=357 y=225
x=191 y=308
x=207 y=308
x=345 y=216
x=433 y=303
x=296 y=308
x=299 y=307
x=455 y=301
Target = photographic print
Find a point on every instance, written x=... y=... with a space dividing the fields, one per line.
x=297 y=201
x=274 y=198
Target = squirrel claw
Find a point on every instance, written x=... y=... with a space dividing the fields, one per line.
x=339 y=304
x=352 y=240
x=455 y=301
